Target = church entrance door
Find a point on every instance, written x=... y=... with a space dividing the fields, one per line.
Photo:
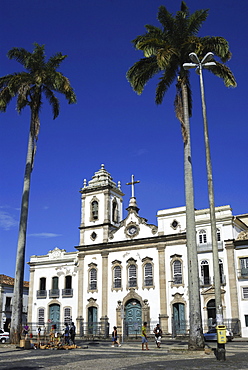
x=133 y=317
x=92 y=320
x=211 y=313
x=179 y=318
x=54 y=315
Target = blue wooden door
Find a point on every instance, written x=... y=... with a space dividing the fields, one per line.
x=133 y=317
x=54 y=315
x=92 y=320
x=179 y=318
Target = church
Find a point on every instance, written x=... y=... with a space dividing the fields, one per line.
x=126 y=271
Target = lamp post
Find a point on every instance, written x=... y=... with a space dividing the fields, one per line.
x=199 y=65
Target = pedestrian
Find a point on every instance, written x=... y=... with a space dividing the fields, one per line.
x=25 y=331
x=158 y=335
x=66 y=333
x=72 y=332
x=144 y=337
x=114 y=337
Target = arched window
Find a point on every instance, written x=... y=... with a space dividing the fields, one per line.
x=93 y=279
x=202 y=237
x=132 y=276
x=205 y=278
x=94 y=210
x=148 y=281
x=67 y=315
x=114 y=211
x=177 y=272
x=41 y=316
x=117 y=277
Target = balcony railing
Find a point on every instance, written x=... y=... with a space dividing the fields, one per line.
x=54 y=293
x=41 y=293
x=222 y=279
x=205 y=281
x=207 y=247
x=243 y=273
x=66 y=293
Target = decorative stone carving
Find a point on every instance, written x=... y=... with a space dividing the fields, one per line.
x=56 y=253
x=243 y=235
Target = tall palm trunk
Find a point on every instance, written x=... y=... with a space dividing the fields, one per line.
x=217 y=285
x=196 y=340
x=17 y=304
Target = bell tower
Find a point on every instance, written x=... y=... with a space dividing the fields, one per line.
x=101 y=208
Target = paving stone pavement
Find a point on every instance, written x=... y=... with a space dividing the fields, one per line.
x=101 y=356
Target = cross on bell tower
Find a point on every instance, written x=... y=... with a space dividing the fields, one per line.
x=132 y=184
x=132 y=201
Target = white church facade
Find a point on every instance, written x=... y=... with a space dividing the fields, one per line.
x=125 y=271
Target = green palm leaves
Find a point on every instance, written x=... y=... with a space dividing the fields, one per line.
x=41 y=78
x=166 y=49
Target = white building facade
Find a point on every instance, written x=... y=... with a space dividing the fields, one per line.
x=6 y=296
x=126 y=271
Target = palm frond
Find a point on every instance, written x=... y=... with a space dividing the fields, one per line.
x=53 y=101
x=5 y=98
x=141 y=72
x=184 y=9
x=165 y=57
x=165 y=82
x=55 y=61
x=218 y=45
x=222 y=71
x=19 y=54
x=165 y=18
x=195 y=21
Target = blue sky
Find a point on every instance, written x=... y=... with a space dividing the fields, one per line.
x=110 y=124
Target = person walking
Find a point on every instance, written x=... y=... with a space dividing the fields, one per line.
x=114 y=337
x=72 y=332
x=144 y=337
x=158 y=335
x=66 y=333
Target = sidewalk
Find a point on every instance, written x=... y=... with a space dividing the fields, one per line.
x=98 y=355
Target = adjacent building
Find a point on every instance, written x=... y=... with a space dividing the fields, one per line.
x=6 y=295
x=125 y=271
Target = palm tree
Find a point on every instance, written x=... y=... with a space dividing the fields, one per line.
x=40 y=78
x=165 y=50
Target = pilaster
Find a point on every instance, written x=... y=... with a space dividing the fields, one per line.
x=31 y=317
x=105 y=284
x=229 y=245
x=162 y=289
x=80 y=285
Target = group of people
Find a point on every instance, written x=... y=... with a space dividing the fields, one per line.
x=69 y=333
x=157 y=333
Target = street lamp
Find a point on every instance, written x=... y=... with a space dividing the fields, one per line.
x=199 y=65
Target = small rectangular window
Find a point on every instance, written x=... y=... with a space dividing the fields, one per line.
x=93 y=279
x=67 y=315
x=132 y=276
x=41 y=316
x=245 y=293
x=117 y=277
x=246 y=320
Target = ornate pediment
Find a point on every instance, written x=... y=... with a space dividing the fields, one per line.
x=56 y=253
x=211 y=291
